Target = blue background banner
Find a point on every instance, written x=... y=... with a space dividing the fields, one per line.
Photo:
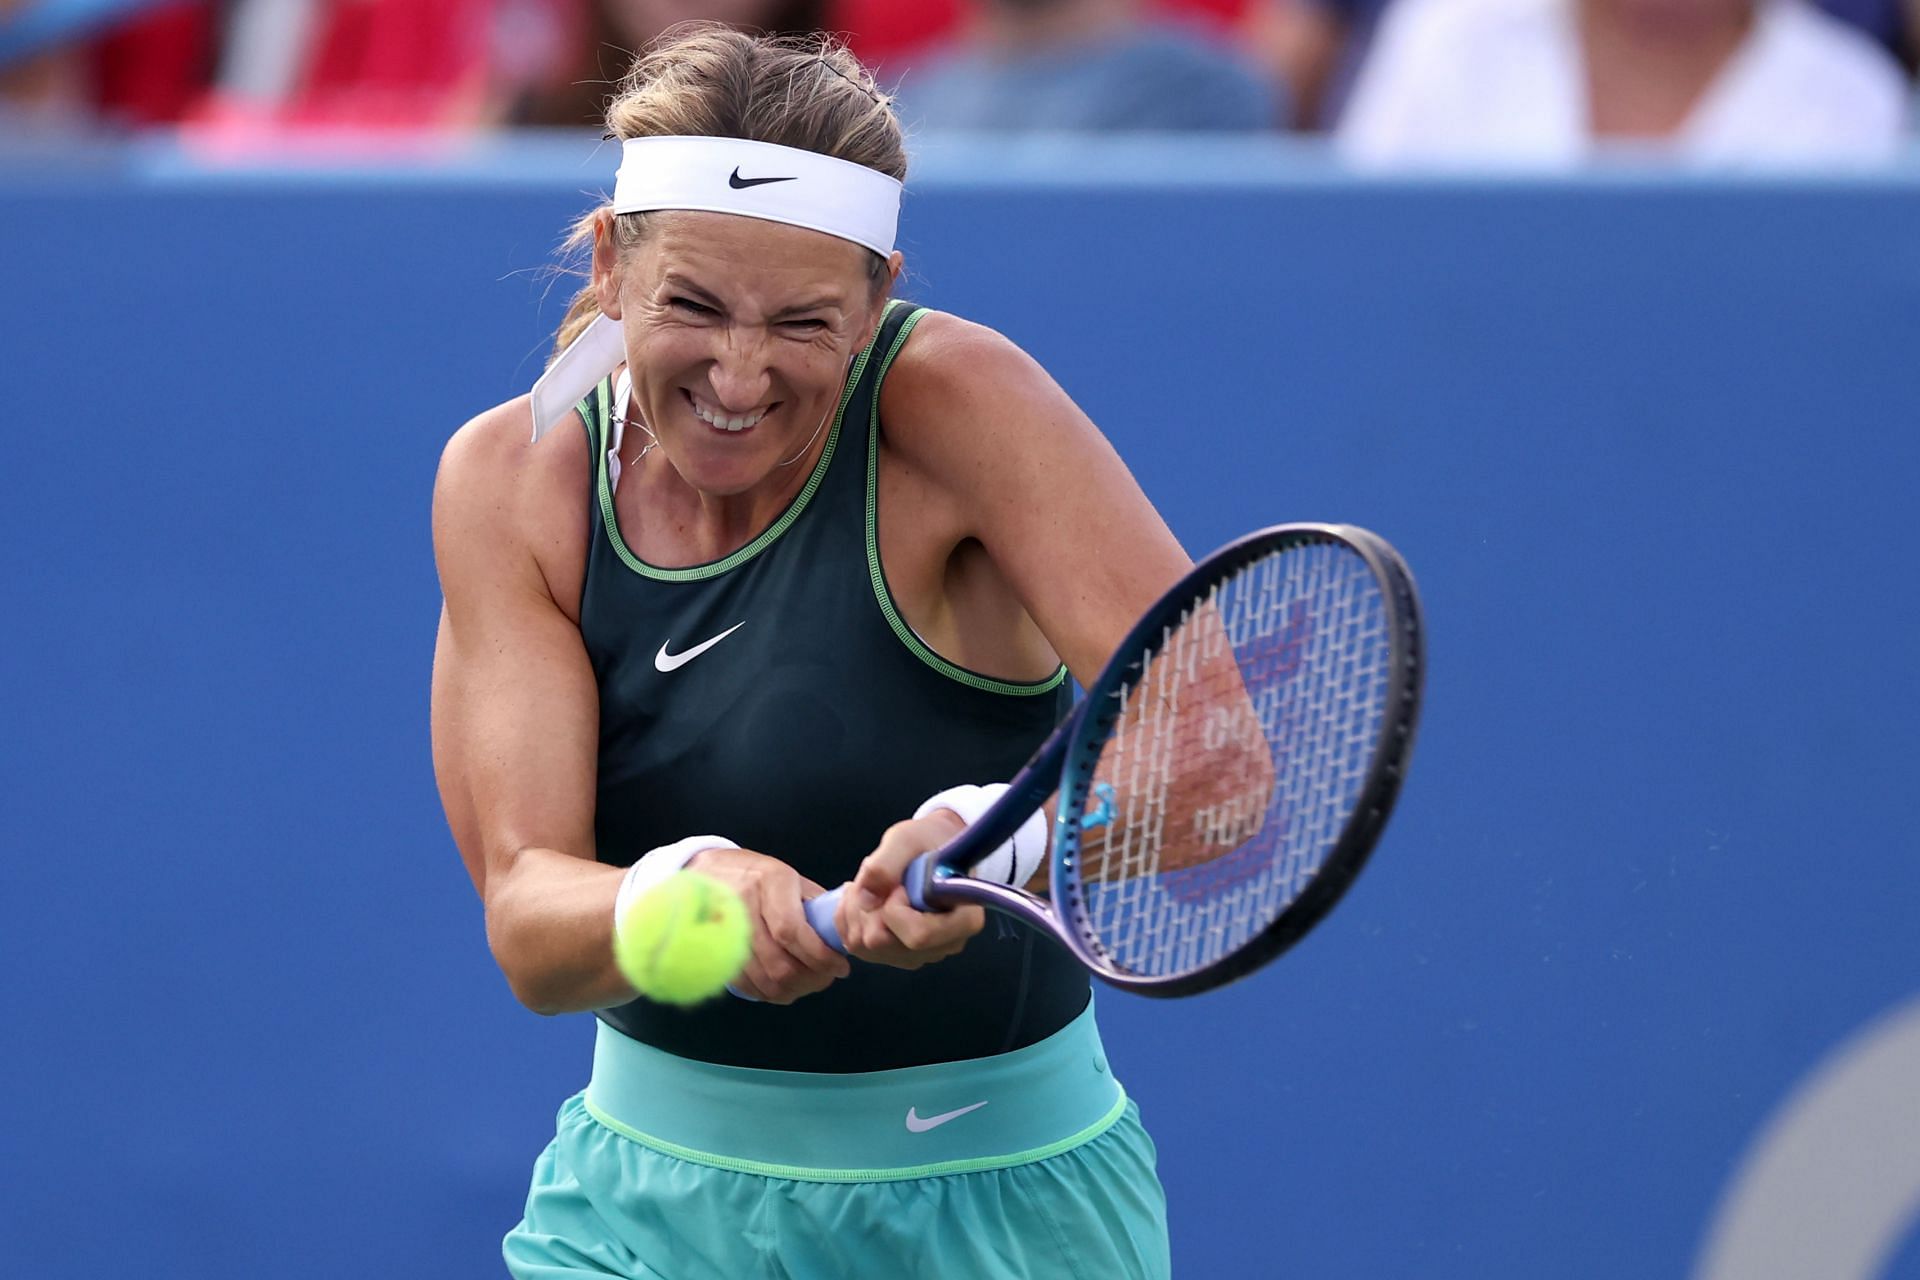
x=1648 y=444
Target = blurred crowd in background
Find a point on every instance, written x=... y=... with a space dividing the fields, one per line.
x=1533 y=82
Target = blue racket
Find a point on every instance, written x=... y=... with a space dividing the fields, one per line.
x=1226 y=776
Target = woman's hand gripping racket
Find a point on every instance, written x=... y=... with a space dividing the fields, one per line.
x=1227 y=774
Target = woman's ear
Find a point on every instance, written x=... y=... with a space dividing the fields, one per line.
x=883 y=288
x=606 y=264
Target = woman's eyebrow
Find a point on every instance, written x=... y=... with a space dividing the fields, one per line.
x=822 y=302
x=674 y=280
x=826 y=302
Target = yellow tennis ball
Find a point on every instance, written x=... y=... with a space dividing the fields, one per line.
x=683 y=940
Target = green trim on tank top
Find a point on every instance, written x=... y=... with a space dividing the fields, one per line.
x=713 y=569
x=801 y=1173
x=907 y=635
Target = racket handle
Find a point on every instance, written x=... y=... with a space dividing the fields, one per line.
x=820 y=913
x=919 y=874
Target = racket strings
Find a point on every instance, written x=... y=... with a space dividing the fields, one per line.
x=1236 y=758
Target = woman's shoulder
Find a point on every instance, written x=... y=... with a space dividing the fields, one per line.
x=950 y=376
x=500 y=490
x=494 y=453
x=945 y=342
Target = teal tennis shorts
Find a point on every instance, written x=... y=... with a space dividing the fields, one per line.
x=1028 y=1166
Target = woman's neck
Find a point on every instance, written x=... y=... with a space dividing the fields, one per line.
x=676 y=524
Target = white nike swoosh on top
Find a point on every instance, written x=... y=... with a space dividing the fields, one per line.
x=664 y=661
x=917 y=1125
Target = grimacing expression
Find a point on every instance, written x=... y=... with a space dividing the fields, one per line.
x=739 y=334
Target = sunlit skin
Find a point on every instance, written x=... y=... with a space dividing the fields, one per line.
x=1011 y=534
x=754 y=320
x=733 y=316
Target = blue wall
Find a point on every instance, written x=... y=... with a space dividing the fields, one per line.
x=1647 y=444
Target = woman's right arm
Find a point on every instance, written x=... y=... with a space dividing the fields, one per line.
x=516 y=712
x=516 y=727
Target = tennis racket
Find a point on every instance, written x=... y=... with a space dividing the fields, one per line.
x=1227 y=774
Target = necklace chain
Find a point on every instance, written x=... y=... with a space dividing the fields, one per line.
x=652 y=440
x=624 y=419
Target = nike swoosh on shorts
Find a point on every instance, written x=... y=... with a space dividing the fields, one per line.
x=917 y=1125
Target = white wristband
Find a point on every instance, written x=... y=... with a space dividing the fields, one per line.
x=1013 y=862
x=657 y=864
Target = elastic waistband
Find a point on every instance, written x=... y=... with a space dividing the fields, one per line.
x=917 y=1122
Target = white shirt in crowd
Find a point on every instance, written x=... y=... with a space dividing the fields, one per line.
x=1503 y=82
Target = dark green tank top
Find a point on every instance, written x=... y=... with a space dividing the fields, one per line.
x=816 y=722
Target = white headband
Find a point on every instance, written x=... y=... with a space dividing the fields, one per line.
x=722 y=175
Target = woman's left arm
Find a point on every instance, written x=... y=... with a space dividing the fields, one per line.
x=1011 y=462
x=1034 y=482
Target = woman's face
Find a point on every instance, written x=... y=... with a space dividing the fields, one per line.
x=739 y=333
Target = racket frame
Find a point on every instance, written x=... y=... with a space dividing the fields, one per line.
x=1066 y=761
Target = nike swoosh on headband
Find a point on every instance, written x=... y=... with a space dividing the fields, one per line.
x=739 y=183
x=842 y=199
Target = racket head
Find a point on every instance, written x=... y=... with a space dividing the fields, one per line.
x=1159 y=894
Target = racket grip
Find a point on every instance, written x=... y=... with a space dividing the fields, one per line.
x=919 y=872
x=820 y=912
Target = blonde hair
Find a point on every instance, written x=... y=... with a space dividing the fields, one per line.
x=708 y=80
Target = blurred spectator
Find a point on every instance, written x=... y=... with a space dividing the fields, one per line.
x=1547 y=81
x=122 y=63
x=1085 y=65
x=412 y=64
x=357 y=63
x=574 y=89
x=1317 y=46
x=881 y=31
x=1888 y=21
x=155 y=67
x=44 y=87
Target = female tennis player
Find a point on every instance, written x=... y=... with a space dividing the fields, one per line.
x=787 y=571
